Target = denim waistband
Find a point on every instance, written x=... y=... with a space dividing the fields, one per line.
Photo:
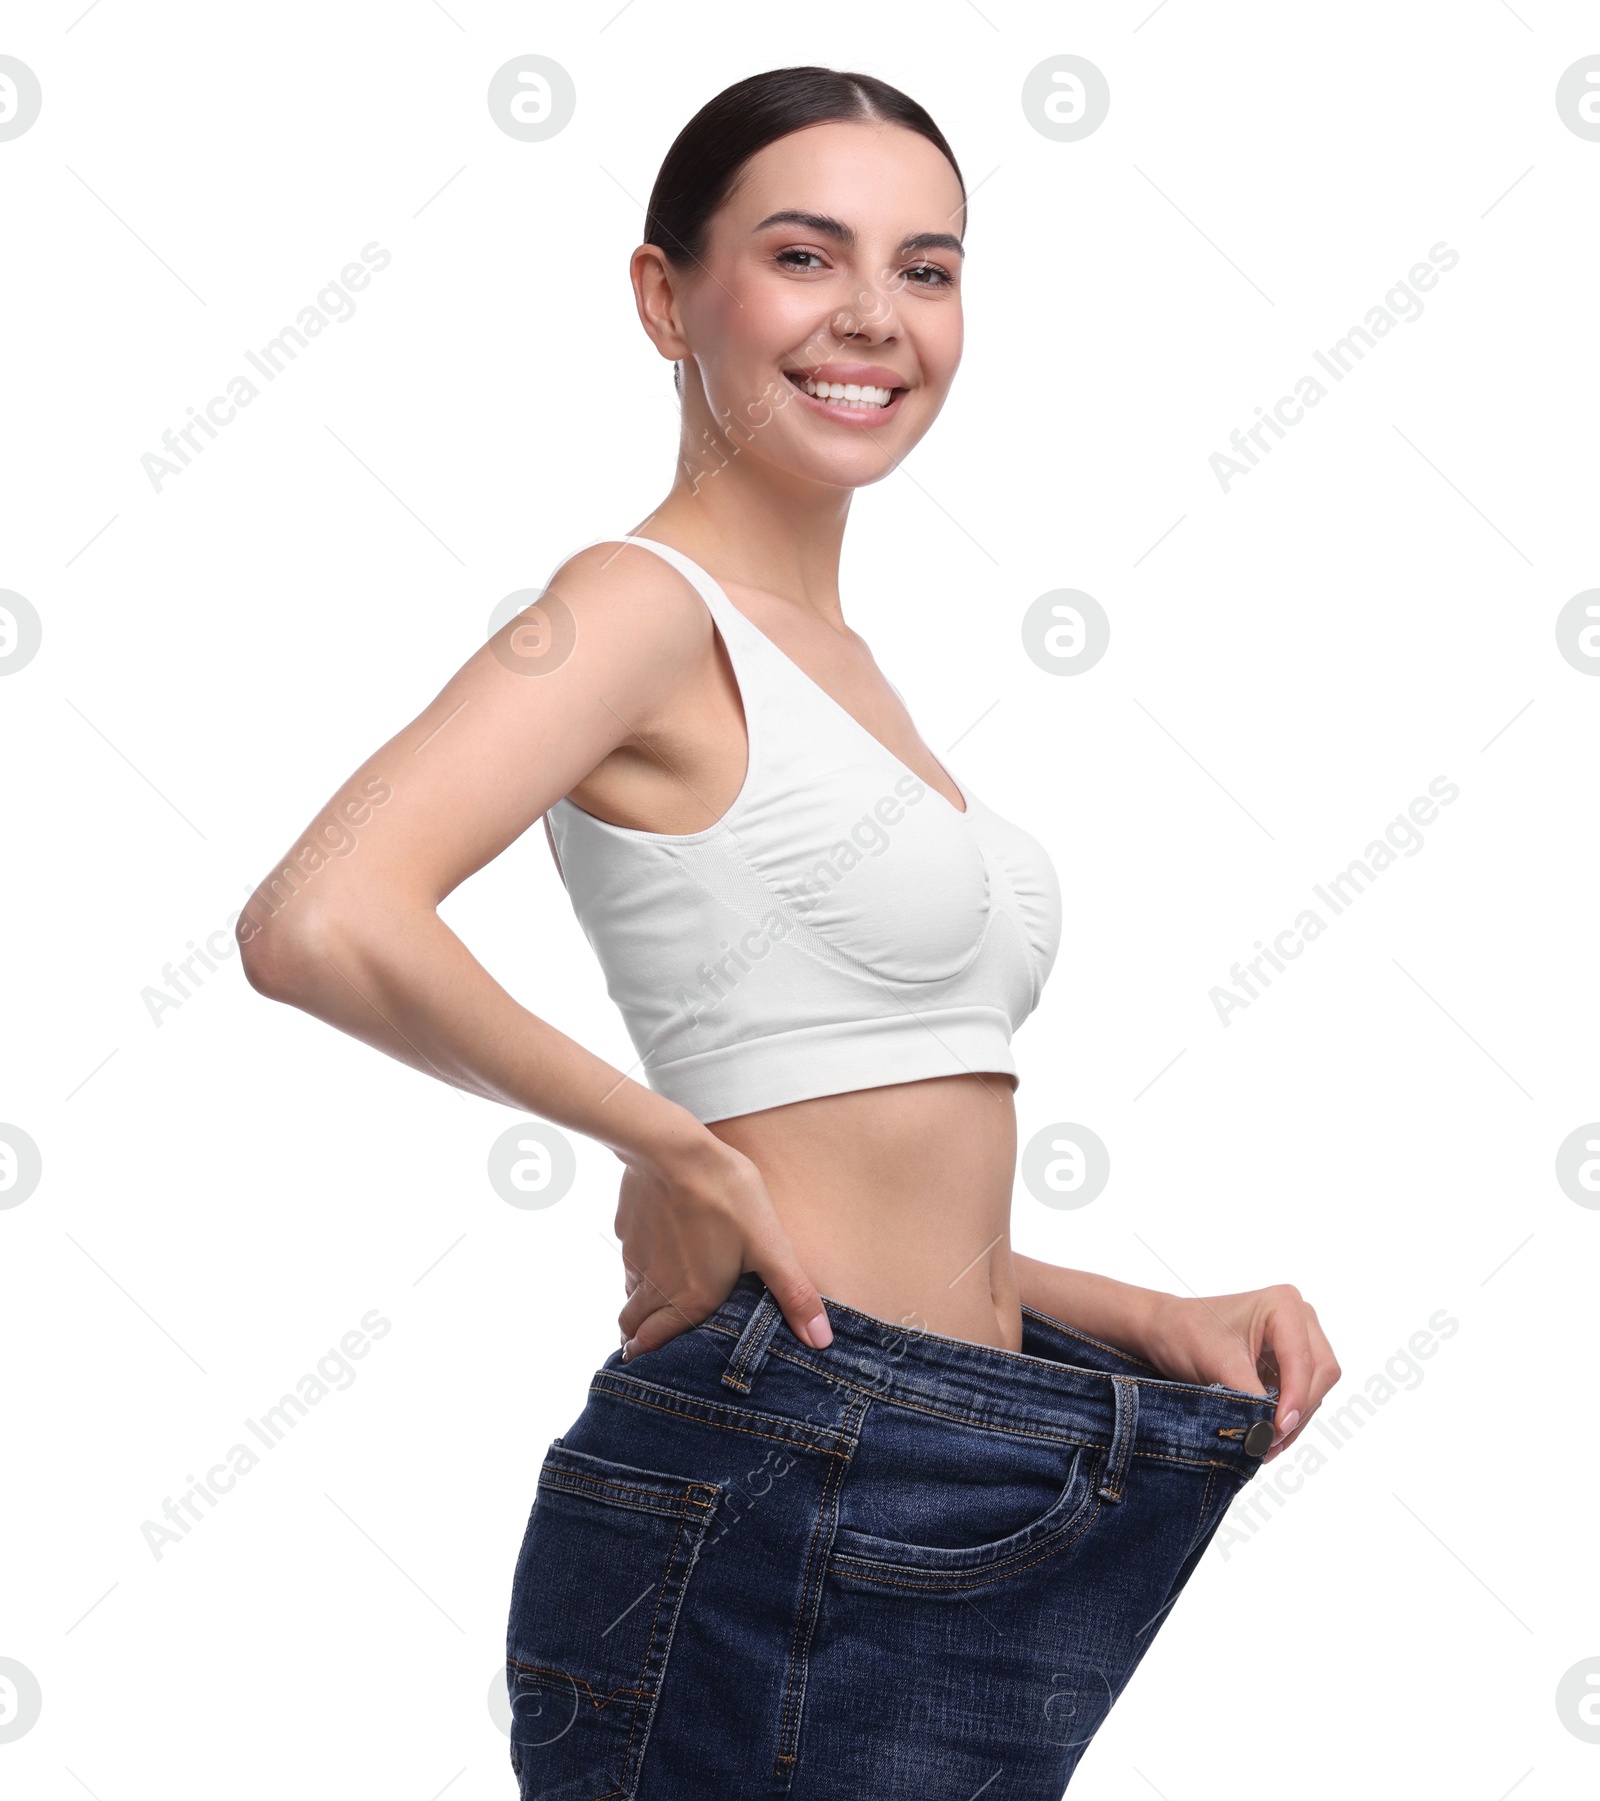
x=1062 y=1385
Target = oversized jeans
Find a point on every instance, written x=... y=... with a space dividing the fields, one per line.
x=904 y=1567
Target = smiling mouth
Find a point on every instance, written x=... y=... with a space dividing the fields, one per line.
x=860 y=397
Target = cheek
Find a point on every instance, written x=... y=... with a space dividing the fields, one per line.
x=942 y=337
x=740 y=335
x=746 y=347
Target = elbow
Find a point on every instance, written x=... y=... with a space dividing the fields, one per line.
x=272 y=957
x=283 y=951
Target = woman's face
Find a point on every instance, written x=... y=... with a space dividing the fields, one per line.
x=835 y=260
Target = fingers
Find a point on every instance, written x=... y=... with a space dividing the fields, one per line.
x=646 y=1298
x=1289 y=1344
x=643 y=1299
x=1237 y=1368
x=1213 y=1349
x=799 y=1301
x=1325 y=1372
x=654 y=1330
x=1308 y=1367
x=1327 y=1369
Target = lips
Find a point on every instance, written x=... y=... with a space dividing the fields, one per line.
x=858 y=375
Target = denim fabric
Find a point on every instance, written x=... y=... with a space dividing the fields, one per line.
x=901 y=1567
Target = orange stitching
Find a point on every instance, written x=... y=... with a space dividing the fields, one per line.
x=1127 y=1411
x=1014 y=1429
x=541 y=1669
x=649 y=1645
x=1092 y=1444
x=823 y=1502
x=875 y=1394
x=672 y=1624
x=817 y=1568
x=574 y=1481
x=993 y=1574
x=1188 y=1463
x=626 y=1389
x=1063 y=1513
x=803 y=1439
x=644 y=1697
x=1205 y=1508
x=831 y=1484
x=737 y=1374
x=818 y=1369
x=633 y=1488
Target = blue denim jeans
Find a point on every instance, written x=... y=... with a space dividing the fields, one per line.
x=893 y=1568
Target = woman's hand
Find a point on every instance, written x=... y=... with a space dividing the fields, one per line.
x=1247 y=1341
x=691 y=1224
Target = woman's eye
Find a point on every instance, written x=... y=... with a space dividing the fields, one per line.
x=920 y=275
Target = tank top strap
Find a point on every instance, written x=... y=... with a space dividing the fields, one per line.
x=730 y=621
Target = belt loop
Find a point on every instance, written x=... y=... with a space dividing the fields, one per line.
x=751 y=1351
x=1126 y=1391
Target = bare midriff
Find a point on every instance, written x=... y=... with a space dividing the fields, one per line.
x=898 y=1199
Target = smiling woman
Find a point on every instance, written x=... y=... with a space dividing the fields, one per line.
x=842 y=1407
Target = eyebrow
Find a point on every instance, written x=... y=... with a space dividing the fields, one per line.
x=828 y=227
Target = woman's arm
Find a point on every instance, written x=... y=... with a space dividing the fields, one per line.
x=1245 y=1340
x=1114 y=1311
x=346 y=927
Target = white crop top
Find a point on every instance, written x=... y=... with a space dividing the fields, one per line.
x=842 y=926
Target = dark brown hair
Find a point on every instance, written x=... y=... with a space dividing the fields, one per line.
x=699 y=171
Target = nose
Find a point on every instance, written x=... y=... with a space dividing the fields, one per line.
x=872 y=315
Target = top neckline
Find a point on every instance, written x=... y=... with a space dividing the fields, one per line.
x=964 y=811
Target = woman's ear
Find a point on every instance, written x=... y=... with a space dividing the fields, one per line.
x=656 y=302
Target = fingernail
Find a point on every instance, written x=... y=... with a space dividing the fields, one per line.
x=1290 y=1420
x=819 y=1332
x=627 y=1350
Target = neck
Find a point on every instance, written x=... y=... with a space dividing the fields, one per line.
x=751 y=524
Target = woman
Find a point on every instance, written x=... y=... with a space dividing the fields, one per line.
x=901 y=1540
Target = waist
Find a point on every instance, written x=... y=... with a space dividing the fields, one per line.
x=1061 y=1385
x=897 y=1199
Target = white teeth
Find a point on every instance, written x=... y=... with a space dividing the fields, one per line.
x=848 y=394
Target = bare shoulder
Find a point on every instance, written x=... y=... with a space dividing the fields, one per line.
x=631 y=608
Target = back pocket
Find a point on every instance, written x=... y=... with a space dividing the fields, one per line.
x=600 y=1579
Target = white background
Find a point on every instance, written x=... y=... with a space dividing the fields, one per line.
x=226 y=1193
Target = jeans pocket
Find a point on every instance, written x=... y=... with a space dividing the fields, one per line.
x=894 y=1563
x=599 y=1582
